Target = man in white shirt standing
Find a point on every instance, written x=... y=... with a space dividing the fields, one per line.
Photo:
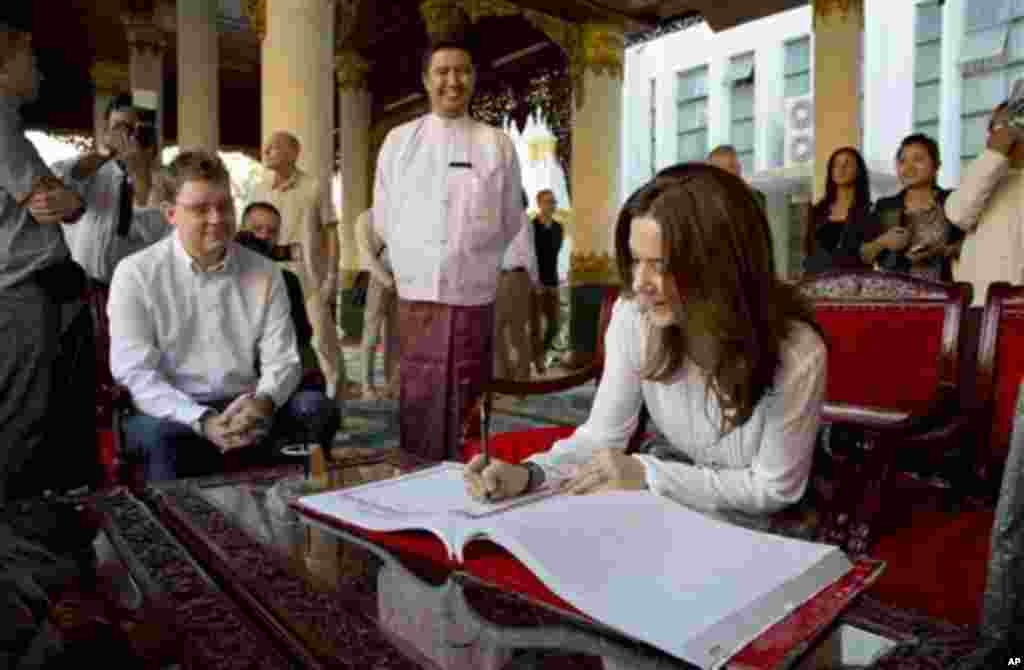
x=447 y=202
x=988 y=207
x=113 y=185
x=381 y=313
x=201 y=334
x=307 y=219
x=513 y=350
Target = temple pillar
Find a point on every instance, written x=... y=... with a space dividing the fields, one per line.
x=109 y=78
x=297 y=71
x=596 y=129
x=838 y=31
x=146 y=71
x=198 y=70
x=352 y=72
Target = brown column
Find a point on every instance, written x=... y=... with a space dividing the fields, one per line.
x=838 y=31
x=148 y=43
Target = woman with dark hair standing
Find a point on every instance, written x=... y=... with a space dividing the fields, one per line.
x=836 y=223
x=909 y=232
x=721 y=351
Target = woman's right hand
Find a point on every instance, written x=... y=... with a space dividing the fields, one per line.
x=495 y=481
x=895 y=239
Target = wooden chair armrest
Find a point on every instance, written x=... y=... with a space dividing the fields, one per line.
x=556 y=385
x=890 y=423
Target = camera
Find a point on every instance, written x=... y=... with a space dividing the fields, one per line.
x=145 y=135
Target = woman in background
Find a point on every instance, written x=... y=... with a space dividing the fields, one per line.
x=836 y=224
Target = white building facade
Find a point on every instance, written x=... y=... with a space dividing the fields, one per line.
x=930 y=66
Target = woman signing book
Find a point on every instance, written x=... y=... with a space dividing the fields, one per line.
x=725 y=356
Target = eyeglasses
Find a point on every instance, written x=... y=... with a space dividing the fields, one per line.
x=204 y=210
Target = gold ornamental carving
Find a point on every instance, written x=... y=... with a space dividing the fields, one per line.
x=352 y=70
x=143 y=34
x=825 y=11
x=479 y=9
x=603 y=48
x=110 y=76
x=592 y=268
x=256 y=12
x=445 y=19
x=347 y=20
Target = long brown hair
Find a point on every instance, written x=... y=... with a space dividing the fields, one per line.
x=719 y=254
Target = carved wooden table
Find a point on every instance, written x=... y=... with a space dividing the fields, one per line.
x=255 y=587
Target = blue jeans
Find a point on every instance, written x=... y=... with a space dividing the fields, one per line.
x=172 y=449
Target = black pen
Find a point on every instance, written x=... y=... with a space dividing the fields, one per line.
x=485 y=429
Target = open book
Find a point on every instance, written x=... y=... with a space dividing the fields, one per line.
x=695 y=587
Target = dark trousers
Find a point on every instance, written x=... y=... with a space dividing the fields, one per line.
x=47 y=395
x=171 y=449
x=545 y=308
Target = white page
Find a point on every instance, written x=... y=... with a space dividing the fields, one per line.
x=695 y=587
x=429 y=499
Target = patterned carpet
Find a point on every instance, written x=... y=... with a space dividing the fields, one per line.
x=567 y=408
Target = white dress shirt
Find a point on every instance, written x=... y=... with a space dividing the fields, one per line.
x=522 y=253
x=757 y=468
x=447 y=201
x=93 y=240
x=989 y=206
x=181 y=337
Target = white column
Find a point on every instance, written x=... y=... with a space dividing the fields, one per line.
x=198 y=80
x=596 y=161
x=354 y=150
x=297 y=72
x=148 y=43
x=838 y=30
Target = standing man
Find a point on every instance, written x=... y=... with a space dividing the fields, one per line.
x=38 y=280
x=988 y=207
x=724 y=156
x=113 y=184
x=548 y=237
x=307 y=219
x=513 y=306
x=447 y=202
x=381 y=313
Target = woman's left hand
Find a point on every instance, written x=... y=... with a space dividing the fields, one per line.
x=608 y=470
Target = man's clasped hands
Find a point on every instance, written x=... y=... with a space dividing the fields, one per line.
x=243 y=423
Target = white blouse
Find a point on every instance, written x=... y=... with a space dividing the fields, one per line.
x=757 y=468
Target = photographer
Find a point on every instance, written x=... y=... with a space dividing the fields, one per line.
x=115 y=185
x=987 y=207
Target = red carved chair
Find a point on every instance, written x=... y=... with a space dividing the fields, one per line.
x=893 y=382
x=111 y=399
x=1000 y=368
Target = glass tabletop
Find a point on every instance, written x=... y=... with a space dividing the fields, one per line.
x=345 y=597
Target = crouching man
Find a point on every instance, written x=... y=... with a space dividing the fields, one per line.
x=202 y=336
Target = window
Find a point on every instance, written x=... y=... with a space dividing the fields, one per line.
x=692 y=99
x=927 y=68
x=654 y=126
x=741 y=122
x=992 y=58
x=797 y=70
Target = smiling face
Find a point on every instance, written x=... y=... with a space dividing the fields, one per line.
x=652 y=283
x=449 y=81
x=844 y=169
x=204 y=216
x=915 y=166
x=280 y=152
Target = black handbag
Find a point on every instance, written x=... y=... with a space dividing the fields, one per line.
x=65 y=281
x=360 y=287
